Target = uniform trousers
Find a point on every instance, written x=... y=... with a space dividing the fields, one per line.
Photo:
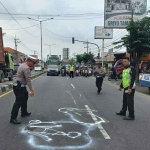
x=21 y=101
x=71 y=74
x=128 y=102
x=99 y=82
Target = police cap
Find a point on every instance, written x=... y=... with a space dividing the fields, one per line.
x=32 y=59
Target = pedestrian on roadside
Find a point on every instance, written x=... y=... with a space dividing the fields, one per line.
x=128 y=84
x=23 y=78
x=71 y=71
x=99 y=73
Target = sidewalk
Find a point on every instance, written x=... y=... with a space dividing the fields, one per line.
x=139 y=88
x=8 y=85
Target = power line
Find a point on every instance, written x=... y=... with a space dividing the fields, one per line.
x=55 y=15
x=21 y=28
x=26 y=46
x=55 y=33
x=17 y=21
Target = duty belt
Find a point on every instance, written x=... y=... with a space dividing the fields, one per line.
x=22 y=85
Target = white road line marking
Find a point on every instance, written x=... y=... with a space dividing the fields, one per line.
x=80 y=95
x=72 y=86
x=100 y=127
x=67 y=78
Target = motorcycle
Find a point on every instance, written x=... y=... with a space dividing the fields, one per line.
x=82 y=72
x=111 y=76
x=77 y=73
x=68 y=73
x=86 y=73
x=63 y=72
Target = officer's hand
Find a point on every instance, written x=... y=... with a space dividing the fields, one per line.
x=32 y=93
x=120 y=89
x=129 y=91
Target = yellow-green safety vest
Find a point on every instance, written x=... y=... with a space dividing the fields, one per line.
x=71 y=68
x=126 y=78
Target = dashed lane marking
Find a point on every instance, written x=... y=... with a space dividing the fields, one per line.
x=72 y=85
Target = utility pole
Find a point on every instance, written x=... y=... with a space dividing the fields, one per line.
x=74 y=55
x=35 y=52
x=87 y=46
x=102 y=53
x=16 y=41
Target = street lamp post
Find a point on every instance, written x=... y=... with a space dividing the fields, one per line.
x=40 y=30
x=50 y=48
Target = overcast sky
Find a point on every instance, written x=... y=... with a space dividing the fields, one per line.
x=80 y=27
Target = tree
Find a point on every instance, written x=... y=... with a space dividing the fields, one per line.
x=138 y=39
x=87 y=57
x=79 y=58
x=72 y=61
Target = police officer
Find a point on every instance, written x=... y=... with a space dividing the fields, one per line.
x=128 y=84
x=99 y=73
x=23 y=78
x=71 y=71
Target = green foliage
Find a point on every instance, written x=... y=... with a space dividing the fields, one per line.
x=72 y=61
x=138 y=39
x=79 y=58
x=86 y=57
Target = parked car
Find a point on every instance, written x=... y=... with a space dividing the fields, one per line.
x=52 y=70
x=37 y=67
x=15 y=69
x=119 y=68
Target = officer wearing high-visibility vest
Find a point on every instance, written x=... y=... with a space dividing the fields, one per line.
x=128 y=84
x=71 y=71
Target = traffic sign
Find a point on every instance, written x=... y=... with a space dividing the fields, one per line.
x=101 y=33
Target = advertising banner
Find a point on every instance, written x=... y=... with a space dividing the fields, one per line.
x=118 y=12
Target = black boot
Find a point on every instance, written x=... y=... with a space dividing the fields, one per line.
x=26 y=115
x=129 y=118
x=14 y=121
x=121 y=113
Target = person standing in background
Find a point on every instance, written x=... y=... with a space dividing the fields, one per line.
x=99 y=73
x=71 y=71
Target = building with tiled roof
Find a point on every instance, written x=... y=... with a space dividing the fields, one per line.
x=19 y=54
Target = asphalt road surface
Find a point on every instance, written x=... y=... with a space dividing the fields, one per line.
x=68 y=114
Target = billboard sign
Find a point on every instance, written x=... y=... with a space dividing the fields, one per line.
x=118 y=12
x=101 y=33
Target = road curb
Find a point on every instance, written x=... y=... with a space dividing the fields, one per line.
x=4 y=87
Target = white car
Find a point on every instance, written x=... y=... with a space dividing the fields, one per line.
x=38 y=68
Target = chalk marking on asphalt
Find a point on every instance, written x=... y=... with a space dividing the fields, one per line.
x=100 y=127
x=72 y=85
x=12 y=90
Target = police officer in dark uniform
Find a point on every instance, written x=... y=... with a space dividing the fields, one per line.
x=23 y=78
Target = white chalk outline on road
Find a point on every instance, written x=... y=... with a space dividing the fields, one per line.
x=100 y=127
x=72 y=85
